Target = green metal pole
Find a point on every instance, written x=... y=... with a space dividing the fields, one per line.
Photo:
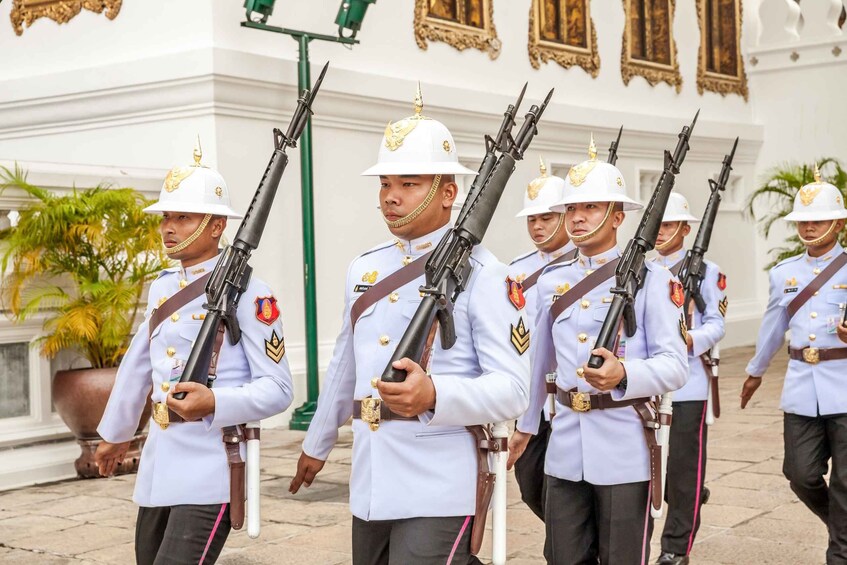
x=303 y=415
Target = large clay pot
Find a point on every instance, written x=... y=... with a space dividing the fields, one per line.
x=80 y=398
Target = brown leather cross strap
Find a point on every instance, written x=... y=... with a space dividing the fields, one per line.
x=582 y=288
x=816 y=284
x=530 y=281
x=386 y=286
x=177 y=301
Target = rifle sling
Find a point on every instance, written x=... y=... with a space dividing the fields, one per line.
x=582 y=288
x=177 y=301
x=816 y=284
x=530 y=281
x=386 y=286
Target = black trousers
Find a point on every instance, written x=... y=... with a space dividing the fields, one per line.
x=181 y=535
x=413 y=541
x=587 y=524
x=810 y=443
x=686 y=475
x=529 y=470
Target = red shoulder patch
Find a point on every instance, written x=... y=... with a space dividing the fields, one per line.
x=515 y=291
x=266 y=309
x=677 y=293
x=721 y=281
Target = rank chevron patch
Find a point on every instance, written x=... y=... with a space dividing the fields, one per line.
x=275 y=348
x=722 y=305
x=520 y=337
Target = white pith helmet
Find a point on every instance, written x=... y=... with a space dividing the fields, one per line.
x=678 y=210
x=817 y=201
x=542 y=193
x=417 y=145
x=196 y=189
x=595 y=181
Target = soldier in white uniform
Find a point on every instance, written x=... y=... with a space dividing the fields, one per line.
x=414 y=471
x=597 y=466
x=686 y=473
x=807 y=296
x=548 y=234
x=183 y=483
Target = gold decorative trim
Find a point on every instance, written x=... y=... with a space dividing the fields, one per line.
x=715 y=82
x=653 y=73
x=456 y=34
x=567 y=56
x=60 y=11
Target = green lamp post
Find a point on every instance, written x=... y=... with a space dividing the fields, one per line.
x=350 y=17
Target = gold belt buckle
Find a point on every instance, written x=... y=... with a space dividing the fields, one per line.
x=160 y=414
x=812 y=355
x=580 y=402
x=370 y=412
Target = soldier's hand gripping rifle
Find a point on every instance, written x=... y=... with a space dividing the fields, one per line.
x=693 y=271
x=448 y=269
x=232 y=272
x=630 y=271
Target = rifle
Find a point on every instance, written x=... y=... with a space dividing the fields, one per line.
x=232 y=272
x=613 y=149
x=448 y=270
x=693 y=268
x=629 y=274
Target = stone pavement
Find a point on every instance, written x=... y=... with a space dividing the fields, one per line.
x=752 y=516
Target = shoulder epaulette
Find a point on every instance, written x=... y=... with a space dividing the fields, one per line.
x=522 y=257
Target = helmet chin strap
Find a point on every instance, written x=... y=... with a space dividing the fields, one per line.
x=667 y=243
x=592 y=233
x=409 y=218
x=552 y=235
x=191 y=238
x=821 y=239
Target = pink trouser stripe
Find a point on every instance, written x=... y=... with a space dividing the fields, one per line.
x=458 y=539
x=699 y=485
x=645 y=541
x=212 y=535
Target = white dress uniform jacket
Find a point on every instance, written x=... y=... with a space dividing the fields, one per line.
x=809 y=389
x=707 y=328
x=602 y=447
x=186 y=463
x=423 y=468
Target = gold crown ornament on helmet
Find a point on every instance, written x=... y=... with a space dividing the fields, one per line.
x=541 y=193
x=417 y=145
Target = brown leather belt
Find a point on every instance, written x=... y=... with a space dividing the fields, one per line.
x=584 y=401
x=373 y=411
x=814 y=355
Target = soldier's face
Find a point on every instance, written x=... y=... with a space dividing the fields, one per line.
x=671 y=236
x=546 y=231
x=176 y=227
x=585 y=218
x=401 y=195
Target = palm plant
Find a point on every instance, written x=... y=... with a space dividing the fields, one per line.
x=774 y=199
x=82 y=259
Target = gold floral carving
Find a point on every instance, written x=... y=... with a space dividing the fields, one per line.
x=723 y=84
x=455 y=33
x=60 y=11
x=541 y=50
x=652 y=72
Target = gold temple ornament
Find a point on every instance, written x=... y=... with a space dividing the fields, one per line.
x=25 y=12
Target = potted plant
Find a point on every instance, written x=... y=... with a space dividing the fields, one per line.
x=81 y=261
x=774 y=199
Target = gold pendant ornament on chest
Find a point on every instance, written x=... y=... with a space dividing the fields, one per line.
x=370 y=412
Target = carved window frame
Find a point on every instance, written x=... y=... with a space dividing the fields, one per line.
x=652 y=72
x=721 y=83
x=60 y=11
x=542 y=50
x=456 y=34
